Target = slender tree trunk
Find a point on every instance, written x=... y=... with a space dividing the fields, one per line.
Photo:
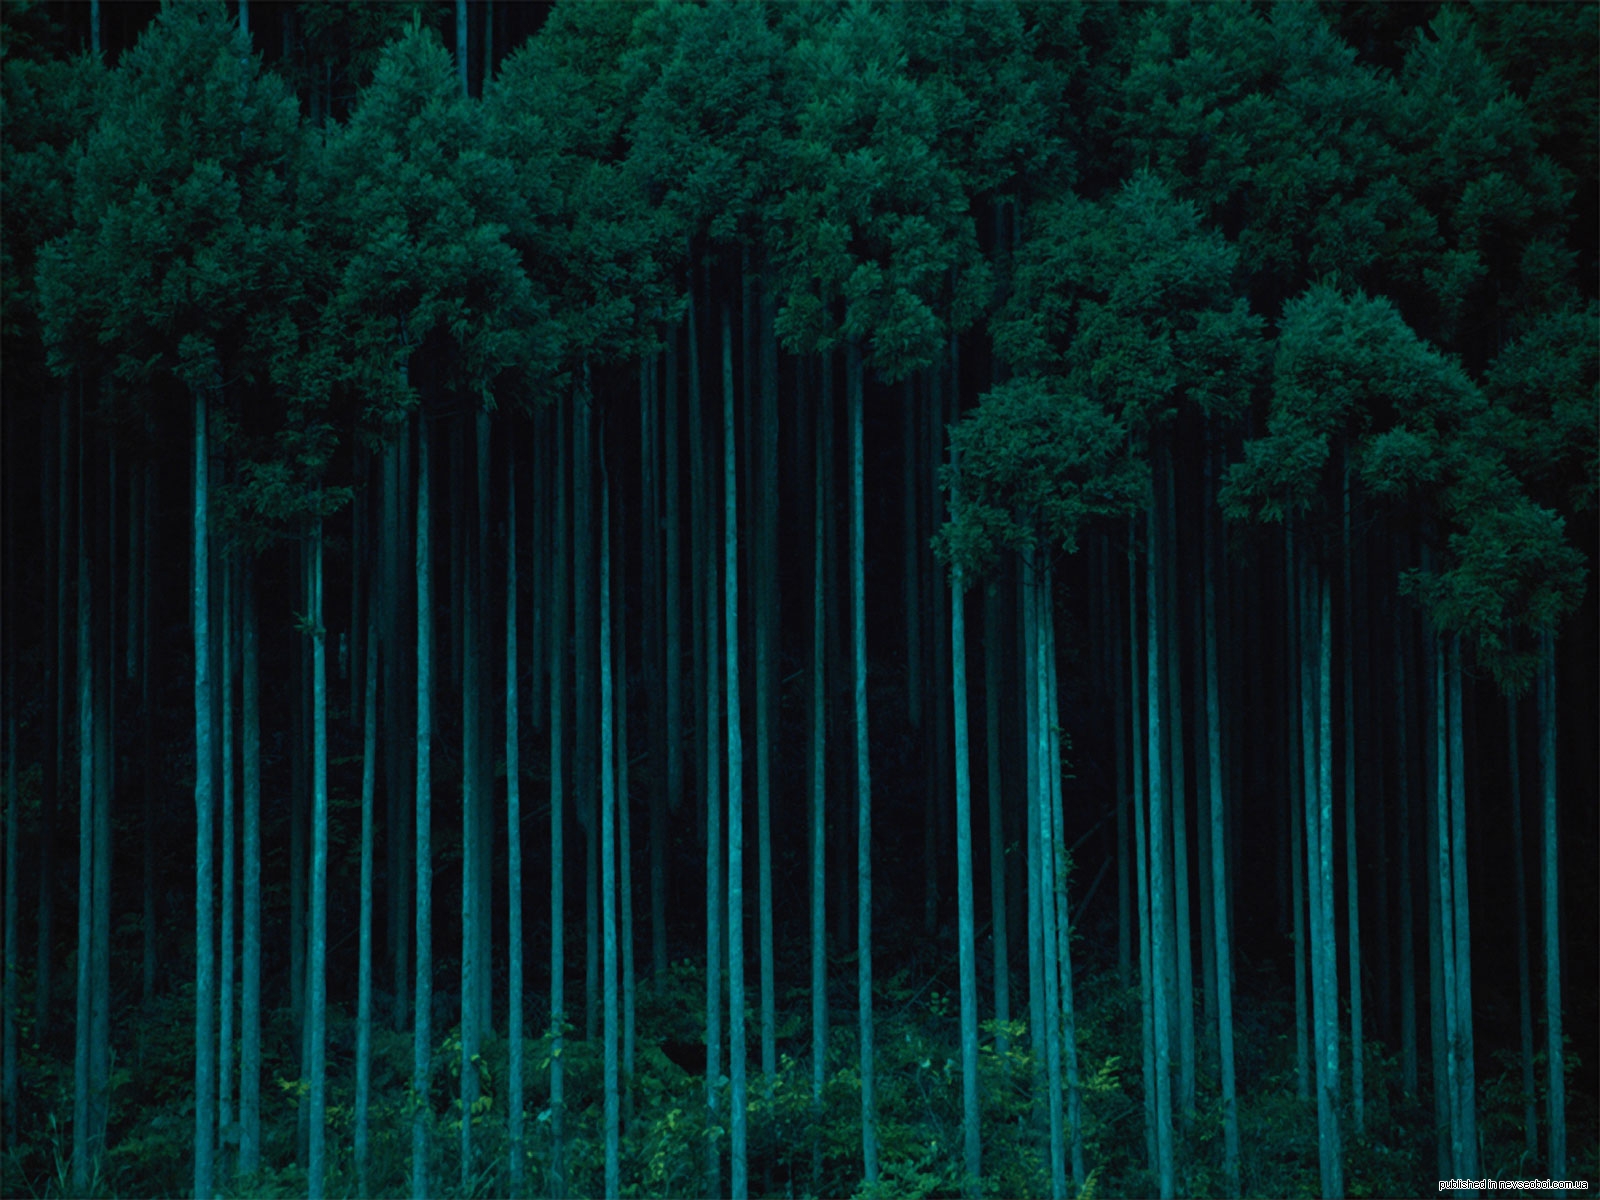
x=1461 y=1042
x=1556 y=1117
x=674 y=617
x=608 y=850
x=1172 y=669
x=250 y=972
x=1059 y=855
x=819 y=797
x=624 y=823
x=858 y=630
x=766 y=635
x=735 y=740
x=1219 y=868
x=584 y=628
x=225 y=963
x=422 y=1037
x=147 y=802
x=558 y=910
x=1160 y=858
x=482 y=758
x=650 y=564
x=1441 y=936
x=1530 y=1109
x=514 y=1025
x=54 y=764
x=1328 y=998
x=1352 y=891
x=471 y=861
x=317 y=960
x=204 y=1031
x=966 y=942
x=84 y=1159
x=1152 y=1126
x=997 y=843
x=1408 y=950
x=705 y=567
x=369 y=775
x=105 y=789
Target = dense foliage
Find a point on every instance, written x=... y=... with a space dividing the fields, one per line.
x=470 y=470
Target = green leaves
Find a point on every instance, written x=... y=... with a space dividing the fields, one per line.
x=1036 y=463
x=1131 y=300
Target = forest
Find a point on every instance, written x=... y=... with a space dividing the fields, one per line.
x=807 y=598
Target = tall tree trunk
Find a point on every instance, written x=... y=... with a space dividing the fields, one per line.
x=1160 y=857
x=54 y=763
x=1219 y=867
x=858 y=633
x=705 y=568
x=650 y=570
x=1530 y=1103
x=1352 y=891
x=514 y=1026
x=1324 y=947
x=1172 y=669
x=819 y=797
x=205 y=1115
x=317 y=959
x=997 y=841
x=674 y=620
x=84 y=1158
x=1461 y=1041
x=766 y=635
x=369 y=775
x=482 y=757
x=250 y=967
x=558 y=909
x=1152 y=1126
x=965 y=937
x=735 y=740
x=584 y=629
x=422 y=1036
x=1056 y=850
x=225 y=964
x=471 y=842
x=147 y=799
x=608 y=850
x=1556 y=1117
x=1408 y=950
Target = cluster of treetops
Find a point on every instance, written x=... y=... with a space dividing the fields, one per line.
x=1173 y=425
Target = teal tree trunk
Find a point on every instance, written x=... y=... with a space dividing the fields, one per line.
x=205 y=1050
x=421 y=1039
x=558 y=907
x=1160 y=951
x=858 y=634
x=369 y=775
x=737 y=1114
x=1219 y=866
x=967 y=949
x=515 y=1069
x=317 y=959
x=818 y=766
x=1556 y=1116
x=608 y=852
x=250 y=967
